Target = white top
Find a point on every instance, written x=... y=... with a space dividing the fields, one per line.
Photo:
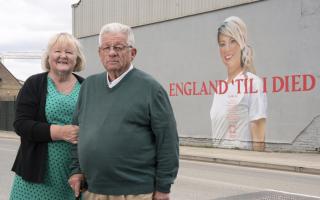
x=117 y=80
x=232 y=111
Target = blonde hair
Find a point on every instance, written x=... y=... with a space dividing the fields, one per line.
x=235 y=28
x=68 y=39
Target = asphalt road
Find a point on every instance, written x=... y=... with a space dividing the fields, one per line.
x=207 y=181
x=8 y=150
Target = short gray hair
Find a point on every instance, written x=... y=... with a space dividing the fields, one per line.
x=117 y=28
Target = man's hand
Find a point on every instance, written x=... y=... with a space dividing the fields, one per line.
x=75 y=183
x=161 y=196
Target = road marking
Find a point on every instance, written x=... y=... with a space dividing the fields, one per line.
x=6 y=149
x=291 y=193
x=221 y=183
x=9 y=138
x=192 y=179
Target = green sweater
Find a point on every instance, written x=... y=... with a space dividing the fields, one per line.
x=128 y=141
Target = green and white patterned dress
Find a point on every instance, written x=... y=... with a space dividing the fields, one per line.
x=59 y=110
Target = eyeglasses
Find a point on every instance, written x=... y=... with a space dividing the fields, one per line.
x=117 y=48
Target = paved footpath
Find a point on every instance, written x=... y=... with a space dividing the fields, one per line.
x=297 y=162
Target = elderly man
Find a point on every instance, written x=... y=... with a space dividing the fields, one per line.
x=128 y=142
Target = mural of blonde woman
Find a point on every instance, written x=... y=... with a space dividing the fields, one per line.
x=239 y=115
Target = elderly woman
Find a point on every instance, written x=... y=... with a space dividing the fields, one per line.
x=239 y=115
x=45 y=106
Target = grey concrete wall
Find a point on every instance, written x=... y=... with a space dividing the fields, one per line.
x=285 y=37
x=89 y=16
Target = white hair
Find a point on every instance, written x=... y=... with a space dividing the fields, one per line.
x=117 y=28
x=235 y=28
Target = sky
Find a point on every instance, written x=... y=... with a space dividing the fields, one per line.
x=27 y=25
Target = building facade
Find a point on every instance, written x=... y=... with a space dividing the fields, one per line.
x=177 y=44
x=9 y=88
x=9 y=85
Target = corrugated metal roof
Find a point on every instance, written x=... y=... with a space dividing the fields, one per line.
x=89 y=16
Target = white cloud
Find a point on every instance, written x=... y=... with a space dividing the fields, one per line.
x=23 y=68
x=26 y=25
